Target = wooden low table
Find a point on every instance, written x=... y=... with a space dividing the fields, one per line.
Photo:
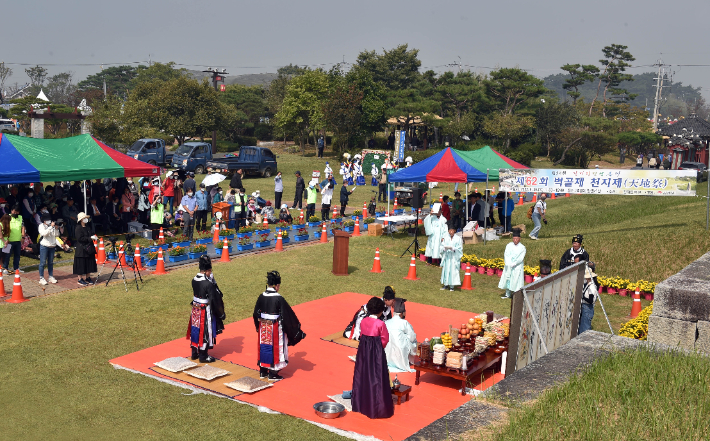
x=402 y=391
x=476 y=367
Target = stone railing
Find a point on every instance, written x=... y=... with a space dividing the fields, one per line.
x=681 y=308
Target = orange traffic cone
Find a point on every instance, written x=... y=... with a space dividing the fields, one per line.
x=566 y=195
x=225 y=252
x=412 y=275
x=215 y=238
x=102 y=252
x=300 y=218
x=121 y=255
x=17 y=296
x=96 y=256
x=534 y=197
x=395 y=205
x=376 y=267
x=356 y=231
x=364 y=210
x=335 y=211
x=279 y=242
x=137 y=259
x=554 y=196
x=636 y=306
x=161 y=237
x=521 y=201
x=476 y=190
x=420 y=221
x=160 y=264
x=467 y=279
x=2 y=285
x=441 y=197
x=266 y=223
x=323 y=234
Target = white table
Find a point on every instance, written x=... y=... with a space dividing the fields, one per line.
x=396 y=219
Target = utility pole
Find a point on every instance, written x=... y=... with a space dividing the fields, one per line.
x=659 y=87
x=217 y=76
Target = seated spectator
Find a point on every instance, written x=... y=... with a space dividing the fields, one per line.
x=285 y=214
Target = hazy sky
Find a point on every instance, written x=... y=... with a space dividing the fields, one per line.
x=255 y=37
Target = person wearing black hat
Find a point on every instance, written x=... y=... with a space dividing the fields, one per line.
x=352 y=331
x=277 y=327
x=189 y=183
x=545 y=270
x=300 y=186
x=513 y=278
x=207 y=316
x=576 y=252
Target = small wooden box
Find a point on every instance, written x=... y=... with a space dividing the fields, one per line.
x=374 y=229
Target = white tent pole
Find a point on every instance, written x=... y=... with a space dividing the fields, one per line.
x=85 y=198
x=505 y=208
x=485 y=219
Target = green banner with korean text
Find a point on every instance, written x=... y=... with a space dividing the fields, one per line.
x=600 y=181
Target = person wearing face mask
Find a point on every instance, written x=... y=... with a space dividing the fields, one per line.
x=29 y=210
x=240 y=208
x=189 y=205
x=69 y=213
x=218 y=196
x=47 y=195
x=84 y=260
x=14 y=238
x=47 y=244
x=113 y=211
x=201 y=211
x=168 y=188
x=157 y=218
x=128 y=202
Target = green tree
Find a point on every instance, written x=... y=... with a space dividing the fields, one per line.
x=156 y=72
x=508 y=127
x=251 y=100
x=37 y=75
x=342 y=113
x=373 y=105
x=579 y=75
x=22 y=106
x=552 y=119
x=301 y=111
x=396 y=69
x=616 y=60
x=459 y=93
x=292 y=70
x=510 y=88
x=118 y=79
x=465 y=125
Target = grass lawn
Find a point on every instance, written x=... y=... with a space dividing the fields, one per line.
x=634 y=395
x=57 y=382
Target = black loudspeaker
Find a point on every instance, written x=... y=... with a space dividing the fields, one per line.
x=416 y=201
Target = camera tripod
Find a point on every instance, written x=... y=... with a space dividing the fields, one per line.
x=126 y=249
x=415 y=242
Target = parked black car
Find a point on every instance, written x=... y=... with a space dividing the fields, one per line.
x=699 y=166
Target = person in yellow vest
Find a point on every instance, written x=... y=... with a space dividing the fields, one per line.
x=14 y=239
x=157 y=217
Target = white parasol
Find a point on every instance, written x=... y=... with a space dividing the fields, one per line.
x=213 y=179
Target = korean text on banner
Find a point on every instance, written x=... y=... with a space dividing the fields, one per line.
x=597 y=181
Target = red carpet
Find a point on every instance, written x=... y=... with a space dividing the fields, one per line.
x=318 y=368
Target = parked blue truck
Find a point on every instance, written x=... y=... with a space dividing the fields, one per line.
x=192 y=156
x=152 y=151
x=252 y=160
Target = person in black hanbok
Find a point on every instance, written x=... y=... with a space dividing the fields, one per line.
x=277 y=327
x=576 y=251
x=207 y=317
x=372 y=393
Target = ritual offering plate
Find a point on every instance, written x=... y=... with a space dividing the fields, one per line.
x=248 y=385
x=175 y=364
x=208 y=372
x=328 y=409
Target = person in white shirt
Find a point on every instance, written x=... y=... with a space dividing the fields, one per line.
x=49 y=233
x=327 y=197
x=538 y=216
x=402 y=344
